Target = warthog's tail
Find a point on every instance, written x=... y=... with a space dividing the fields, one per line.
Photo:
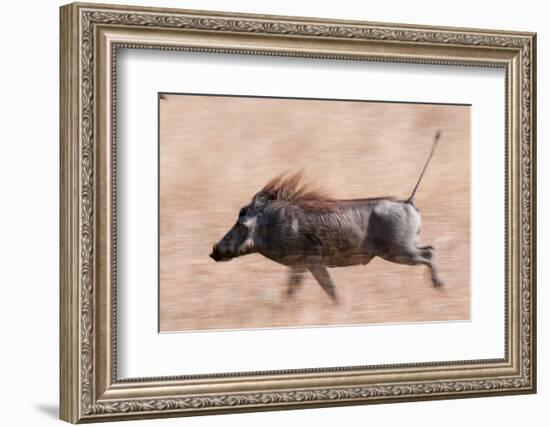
x=410 y=200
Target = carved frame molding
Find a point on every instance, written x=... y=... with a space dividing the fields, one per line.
x=90 y=36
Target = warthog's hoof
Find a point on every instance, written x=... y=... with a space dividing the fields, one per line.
x=438 y=283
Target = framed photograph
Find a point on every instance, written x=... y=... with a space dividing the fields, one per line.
x=266 y=212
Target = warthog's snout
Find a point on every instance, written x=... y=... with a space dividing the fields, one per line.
x=220 y=255
x=215 y=255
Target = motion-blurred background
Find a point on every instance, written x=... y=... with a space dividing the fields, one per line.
x=217 y=152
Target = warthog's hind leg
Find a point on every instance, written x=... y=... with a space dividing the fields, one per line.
x=323 y=278
x=427 y=258
x=415 y=256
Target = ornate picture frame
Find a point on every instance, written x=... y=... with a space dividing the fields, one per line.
x=91 y=34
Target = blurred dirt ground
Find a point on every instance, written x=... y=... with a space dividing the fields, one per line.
x=216 y=152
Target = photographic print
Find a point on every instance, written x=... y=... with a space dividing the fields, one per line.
x=295 y=212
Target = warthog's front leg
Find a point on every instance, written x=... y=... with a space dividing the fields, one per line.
x=295 y=279
x=323 y=278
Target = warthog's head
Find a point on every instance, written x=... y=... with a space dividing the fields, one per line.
x=240 y=240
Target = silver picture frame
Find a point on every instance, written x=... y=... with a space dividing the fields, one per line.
x=90 y=37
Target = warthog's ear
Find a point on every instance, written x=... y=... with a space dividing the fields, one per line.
x=262 y=199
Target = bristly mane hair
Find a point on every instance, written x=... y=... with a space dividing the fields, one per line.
x=294 y=188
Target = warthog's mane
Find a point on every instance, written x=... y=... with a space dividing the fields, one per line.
x=295 y=188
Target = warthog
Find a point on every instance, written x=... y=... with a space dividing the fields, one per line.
x=301 y=227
